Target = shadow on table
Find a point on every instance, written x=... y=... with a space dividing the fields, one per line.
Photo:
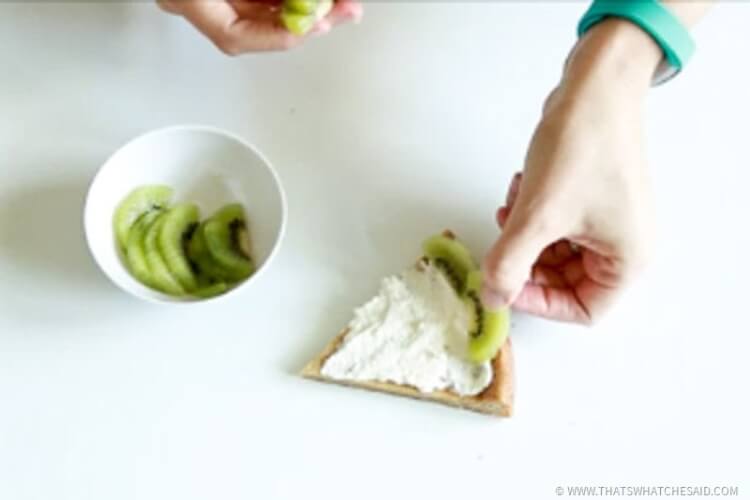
x=42 y=239
x=387 y=241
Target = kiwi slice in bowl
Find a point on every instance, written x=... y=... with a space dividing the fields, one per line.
x=452 y=257
x=488 y=329
x=140 y=201
x=209 y=272
x=226 y=238
x=179 y=223
x=134 y=250
x=212 y=290
x=161 y=277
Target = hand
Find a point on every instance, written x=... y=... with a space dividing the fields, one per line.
x=240 y=26
x=576 y=224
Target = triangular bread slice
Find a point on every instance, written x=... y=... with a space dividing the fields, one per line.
x=496 y=399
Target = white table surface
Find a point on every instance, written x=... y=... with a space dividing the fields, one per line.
x=382 y=133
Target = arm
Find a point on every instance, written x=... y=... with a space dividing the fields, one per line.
x=576 y=224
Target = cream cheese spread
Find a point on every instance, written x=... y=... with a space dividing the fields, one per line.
x=414 y=332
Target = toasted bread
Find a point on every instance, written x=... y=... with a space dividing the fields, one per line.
x=496 y=399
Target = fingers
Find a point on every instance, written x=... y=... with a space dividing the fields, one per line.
x=557 y=253
x=510 y=199
x=167 y=6
x=580 y=290
x=232 y=34
x=345 y=11
x=548 y=277
x=238 y=27
x=560 y=304
x=515 y=186
x=502 y=216
x=509 y=262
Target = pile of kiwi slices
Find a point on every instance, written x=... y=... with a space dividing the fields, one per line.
x=488 y=329
x=166 y=247
x=299 y=16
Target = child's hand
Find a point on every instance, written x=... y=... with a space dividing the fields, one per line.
x=577 y=223
x=240 y=26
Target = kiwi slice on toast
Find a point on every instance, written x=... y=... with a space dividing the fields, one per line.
x=452 y=257
x=179 y=223
x=138 y=202
x=226 y=238
x=162 y=278
x=488 y=329
x=134 y=251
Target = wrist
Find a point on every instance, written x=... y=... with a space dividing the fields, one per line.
x=615 y=53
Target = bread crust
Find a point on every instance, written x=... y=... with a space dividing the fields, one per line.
x=496 y=399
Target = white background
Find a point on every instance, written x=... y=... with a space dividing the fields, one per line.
x=382 y=133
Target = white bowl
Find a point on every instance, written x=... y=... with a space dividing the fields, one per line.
x=204 y=165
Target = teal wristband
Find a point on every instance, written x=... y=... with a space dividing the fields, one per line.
x=653 y=18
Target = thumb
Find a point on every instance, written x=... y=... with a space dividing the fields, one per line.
x=508 y=264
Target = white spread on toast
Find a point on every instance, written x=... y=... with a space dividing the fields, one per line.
x=414 y=332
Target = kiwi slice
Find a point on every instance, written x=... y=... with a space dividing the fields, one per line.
x=296 y=23
x=305 y=7
x=299 y=16
x=451 y=256
x=488 y=329
x=138 y=202
x=209 y=272
x=212 y=290
x=162 y=279
x=226 y=238
x=135 y=254
x=179 y=223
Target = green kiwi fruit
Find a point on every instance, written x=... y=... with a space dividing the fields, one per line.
x=161 y=278
x=296 y=23
x=134 y=251
x=451 y=256
x=169 y=250
x=208 y=270
x=299 y=16
x=179 y=223
x=305 y=7
x=211 y=290
x=488 y=329
x=138 y=202
x=226 y=238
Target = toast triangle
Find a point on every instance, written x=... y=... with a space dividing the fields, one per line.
x=496 y=399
